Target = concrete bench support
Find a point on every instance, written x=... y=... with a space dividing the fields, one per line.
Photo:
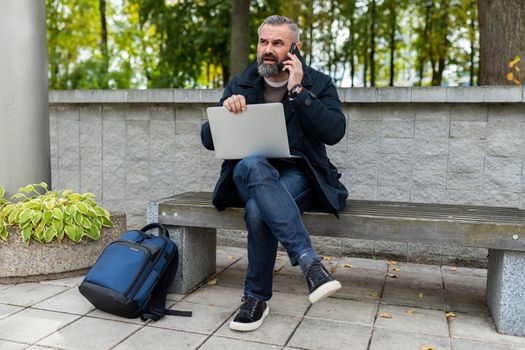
x=506 y=291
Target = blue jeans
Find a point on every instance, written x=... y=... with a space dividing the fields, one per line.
x=274 y=199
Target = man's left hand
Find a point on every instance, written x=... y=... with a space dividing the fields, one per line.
x=295 y=70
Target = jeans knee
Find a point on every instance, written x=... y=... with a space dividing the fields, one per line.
x=247 y=165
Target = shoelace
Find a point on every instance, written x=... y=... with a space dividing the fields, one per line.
x=315 y=269
x=248 y=307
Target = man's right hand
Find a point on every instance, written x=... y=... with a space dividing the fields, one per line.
x=235 y=104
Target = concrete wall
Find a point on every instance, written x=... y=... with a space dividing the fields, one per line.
x=430 y=145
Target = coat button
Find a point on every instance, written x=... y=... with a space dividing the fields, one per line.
x=307 y=102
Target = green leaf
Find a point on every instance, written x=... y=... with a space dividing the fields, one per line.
x=106 y=222
x=86 y=223
x=93 y=233
x=26 y=235
x=27 y=189
x=58 y=225
x=82 y=208
x=97 y=222
x=57 y=214
x=49 y=234
x=12 y=219
x=39 y=229
x=36 y=218
x=48 y=217
x=87 y=195
x=25 y=215
x=78 y=219
x=43 y=185
x=70 y=231
x=2 y=192
x=99 y=211
x=75 y=197
x=3 y=231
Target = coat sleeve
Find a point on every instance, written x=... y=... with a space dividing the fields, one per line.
x=321 y=116
x=206 y=138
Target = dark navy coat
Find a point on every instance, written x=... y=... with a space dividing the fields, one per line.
x=313 y=119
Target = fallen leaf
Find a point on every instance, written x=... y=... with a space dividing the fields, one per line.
x=385 y=315
x=410 y=312
x=428 y=348
x=231 y=257
x=391 y=262
x=327 y=258
x=373 y=294
x=421 y=295
x=212 y=282
x=391 y=275
x=332 y=270
x=453 y=269
x=510 y=76
x=348 y=266
x=450 y=315
x=396 y=269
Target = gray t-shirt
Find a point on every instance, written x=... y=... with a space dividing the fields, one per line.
x=274 y=93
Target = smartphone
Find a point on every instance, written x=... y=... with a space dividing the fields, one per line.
x=295 y=50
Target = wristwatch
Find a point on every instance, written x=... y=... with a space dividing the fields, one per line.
x=295 y=90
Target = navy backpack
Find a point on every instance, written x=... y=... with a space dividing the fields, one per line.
x=132 y=275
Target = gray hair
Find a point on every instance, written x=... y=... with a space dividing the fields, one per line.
x=277 y=20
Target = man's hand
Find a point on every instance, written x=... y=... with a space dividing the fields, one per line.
x=295 y=69
x=235 y=104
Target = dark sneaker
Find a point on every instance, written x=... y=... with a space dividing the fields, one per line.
x=250 y=316
x=320 y=283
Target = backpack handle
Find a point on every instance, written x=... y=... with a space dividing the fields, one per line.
x=163 y=231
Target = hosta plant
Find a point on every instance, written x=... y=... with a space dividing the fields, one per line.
x=45 y=215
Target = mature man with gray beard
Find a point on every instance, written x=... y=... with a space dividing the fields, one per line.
x=274 y=192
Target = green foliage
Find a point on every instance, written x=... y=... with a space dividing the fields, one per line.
x=44 y=215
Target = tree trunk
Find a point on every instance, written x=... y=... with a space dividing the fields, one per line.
x=392 y=43
x=472 y=37
x=240 y=36
x=104 y=41
x=372 y=43
x=502 y=38
x=425 y=39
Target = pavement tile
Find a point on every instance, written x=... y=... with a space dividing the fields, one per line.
x=276 y=329
x=290 y=284
x=411 y=268
x=231 y=278
x=390 y=339
x=228 y=255
x=329 y=335
x=344 y=310
x=364 y=263
x=66 y=282
x=470 y=304
x=70 y=301
x=161 y=339
x=463 y=271
x=289 y=304
x=216 y=295
x=366 y=291
x=478 y=327
x=216 y=342
x=41 y=323
x=416 y=297
x=7 y=345
x=90 y=333
x=27 y=294
x=421 y=321
x=175 y=296
x=7 y=310
x=205 y=319
x=106 y=316
x=465 y=285
x=464 y=344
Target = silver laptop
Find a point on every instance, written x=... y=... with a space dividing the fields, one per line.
x=260 y=130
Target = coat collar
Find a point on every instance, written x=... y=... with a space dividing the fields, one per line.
x=250 y=76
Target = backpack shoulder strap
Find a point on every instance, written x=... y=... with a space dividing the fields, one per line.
x=157 y=305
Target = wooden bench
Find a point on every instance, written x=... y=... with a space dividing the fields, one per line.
x=193 y=222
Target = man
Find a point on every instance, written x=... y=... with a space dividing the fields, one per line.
x=275 y=192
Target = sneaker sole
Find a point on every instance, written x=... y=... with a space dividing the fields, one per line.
x=246 y=327
x=324 y=291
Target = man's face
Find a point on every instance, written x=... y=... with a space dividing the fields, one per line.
x=274 y=43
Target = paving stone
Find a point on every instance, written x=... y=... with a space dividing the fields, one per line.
x=90 y=333
x=465 y=285
x=7 y=345
x=289 y=284
x=276 y=329
x=344 y=310
x=205 y=319
x=70 y=301
x=365 y=291
x=216 y=342
x=7 y=310
x=364 y=263
x=40 y=322
x=416 y=297
x=477 y=327
x=27 y=294
x=217 y=296
x=471 y=304
x=465 y=344
x=329 y=335
x=289 y=304
x=231 y=278
x=400 y=340
x=414 y=280
x=420 y=321
x=463 y=271
x=175 y=296
x=106 y=316
x=161 y=339
x=229 y=255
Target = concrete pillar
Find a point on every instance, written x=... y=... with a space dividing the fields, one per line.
x=24 y=115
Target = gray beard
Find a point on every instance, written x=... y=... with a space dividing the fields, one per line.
x=268 y=70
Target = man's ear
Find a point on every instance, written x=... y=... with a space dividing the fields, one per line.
x=298 y=45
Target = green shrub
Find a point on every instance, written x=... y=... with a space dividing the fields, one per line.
x=44 y=215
